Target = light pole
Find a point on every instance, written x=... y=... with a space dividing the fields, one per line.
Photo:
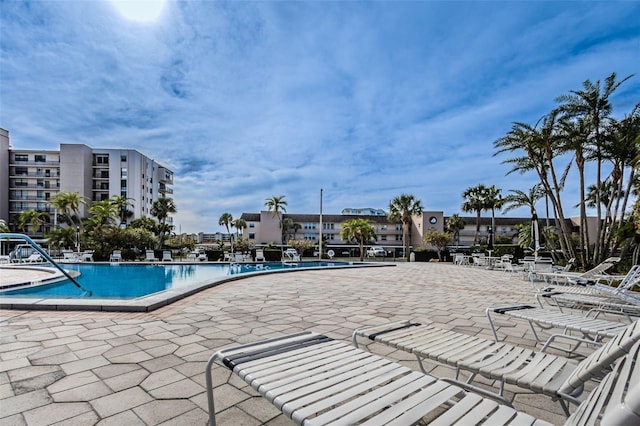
x=78 y=239
x=320 y=240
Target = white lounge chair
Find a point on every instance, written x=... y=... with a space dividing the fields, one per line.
x=166 y=256
x=150 y=256
x=593 y=330
x=597 y=296
x=259 y=255
x=87 y=256
x=563 y=378
x=34 y=258
x=116 y=256
x=69 y=256
x=593 y=274
x=291 y=254
x=315 y=380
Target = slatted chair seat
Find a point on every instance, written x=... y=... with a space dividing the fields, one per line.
x=593 y=330
x=315 y=380
x=544 y=373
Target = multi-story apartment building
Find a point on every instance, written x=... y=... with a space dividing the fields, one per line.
x=264 y=228
x=30 y=178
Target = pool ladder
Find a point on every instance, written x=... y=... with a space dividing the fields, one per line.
x=44 y=254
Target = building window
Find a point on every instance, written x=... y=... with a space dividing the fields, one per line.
x=252 y=225
x=102 y=159
x=39 y=158
x=252 y=235
x=21 y=157
x=398 y=227
x=123 y=183
x=123 y=194
x=311 y=237
x=383 y=237
x=123 y=158
x=309 y=226
x=328 y=226
x=123 y=172
x=21 y=171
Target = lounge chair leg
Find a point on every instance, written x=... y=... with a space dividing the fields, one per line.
x=209 y=381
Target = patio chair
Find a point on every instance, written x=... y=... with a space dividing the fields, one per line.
x=34 y=258
x=259 y=255
x=166 y=256
x=150 y=256
x=593 y=274
x=315 y=380
x=116 y=256
x=596 y=296
x=87 y=256
x=292 y=255
x=552 y=375
x=593 y=330
x=69 y=256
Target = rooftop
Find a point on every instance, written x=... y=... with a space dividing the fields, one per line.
x=148 y=368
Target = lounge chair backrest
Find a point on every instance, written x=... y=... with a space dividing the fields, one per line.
x=600 y=360
x=602 y=267
x=618 y=393
x=630 y=280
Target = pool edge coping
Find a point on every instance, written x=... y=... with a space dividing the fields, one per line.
x=153 y=301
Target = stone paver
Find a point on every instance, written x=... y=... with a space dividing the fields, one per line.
x=148 y=368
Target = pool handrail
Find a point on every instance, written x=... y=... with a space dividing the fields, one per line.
x=44 y=254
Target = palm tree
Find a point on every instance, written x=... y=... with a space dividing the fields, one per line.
x=519 y=199
x=3 y=226
x=226 y=220
x=402 y=209
x=493 y=200
x=591 y=104
x=33 y=219
x=360 y=231
x=103 y=214
x=538 y=146
x=475 y=197
x=123 y=204
x=240 y=225
x=161 y=209
x=68 y=204
x=455 y=224
x=277 y=205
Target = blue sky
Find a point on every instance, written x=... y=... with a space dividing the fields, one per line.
x=249 y=100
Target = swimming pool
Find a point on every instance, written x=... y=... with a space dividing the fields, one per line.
x=124 y=281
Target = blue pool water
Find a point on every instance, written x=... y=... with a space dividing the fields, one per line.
x=130 y=281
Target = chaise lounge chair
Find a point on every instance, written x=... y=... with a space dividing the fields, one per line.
x=166 y=256
x=593 y=274
x=552 y=375
x=315 y=380
x=593 y=330
x=597 y=296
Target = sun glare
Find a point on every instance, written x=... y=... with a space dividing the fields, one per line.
x=140 y=10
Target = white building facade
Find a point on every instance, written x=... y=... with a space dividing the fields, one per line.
x=30 y=178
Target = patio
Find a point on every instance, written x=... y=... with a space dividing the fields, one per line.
x=148 y=368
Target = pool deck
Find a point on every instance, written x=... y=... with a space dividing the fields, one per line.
x=127 y=368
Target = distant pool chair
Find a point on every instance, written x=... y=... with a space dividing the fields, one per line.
x=116 y=256
x=150 y=256
x=260 y=256
x=166 y=256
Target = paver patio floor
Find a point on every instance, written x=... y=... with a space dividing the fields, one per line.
x=84 y=368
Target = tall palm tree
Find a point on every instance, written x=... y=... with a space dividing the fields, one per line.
x=161 y=209
x=493 y=200
x=123 y=204
x=593 y=106
x=475 y=197
x=276 y=205
x=240 y=225
x=519 y=199
x=103 y=214
x=68 y=204
x=33 y=219
x=226 y=220
x=401 y=209
x=3 y=226
x=360 y=231
x=455 y=224
x=537 y=148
